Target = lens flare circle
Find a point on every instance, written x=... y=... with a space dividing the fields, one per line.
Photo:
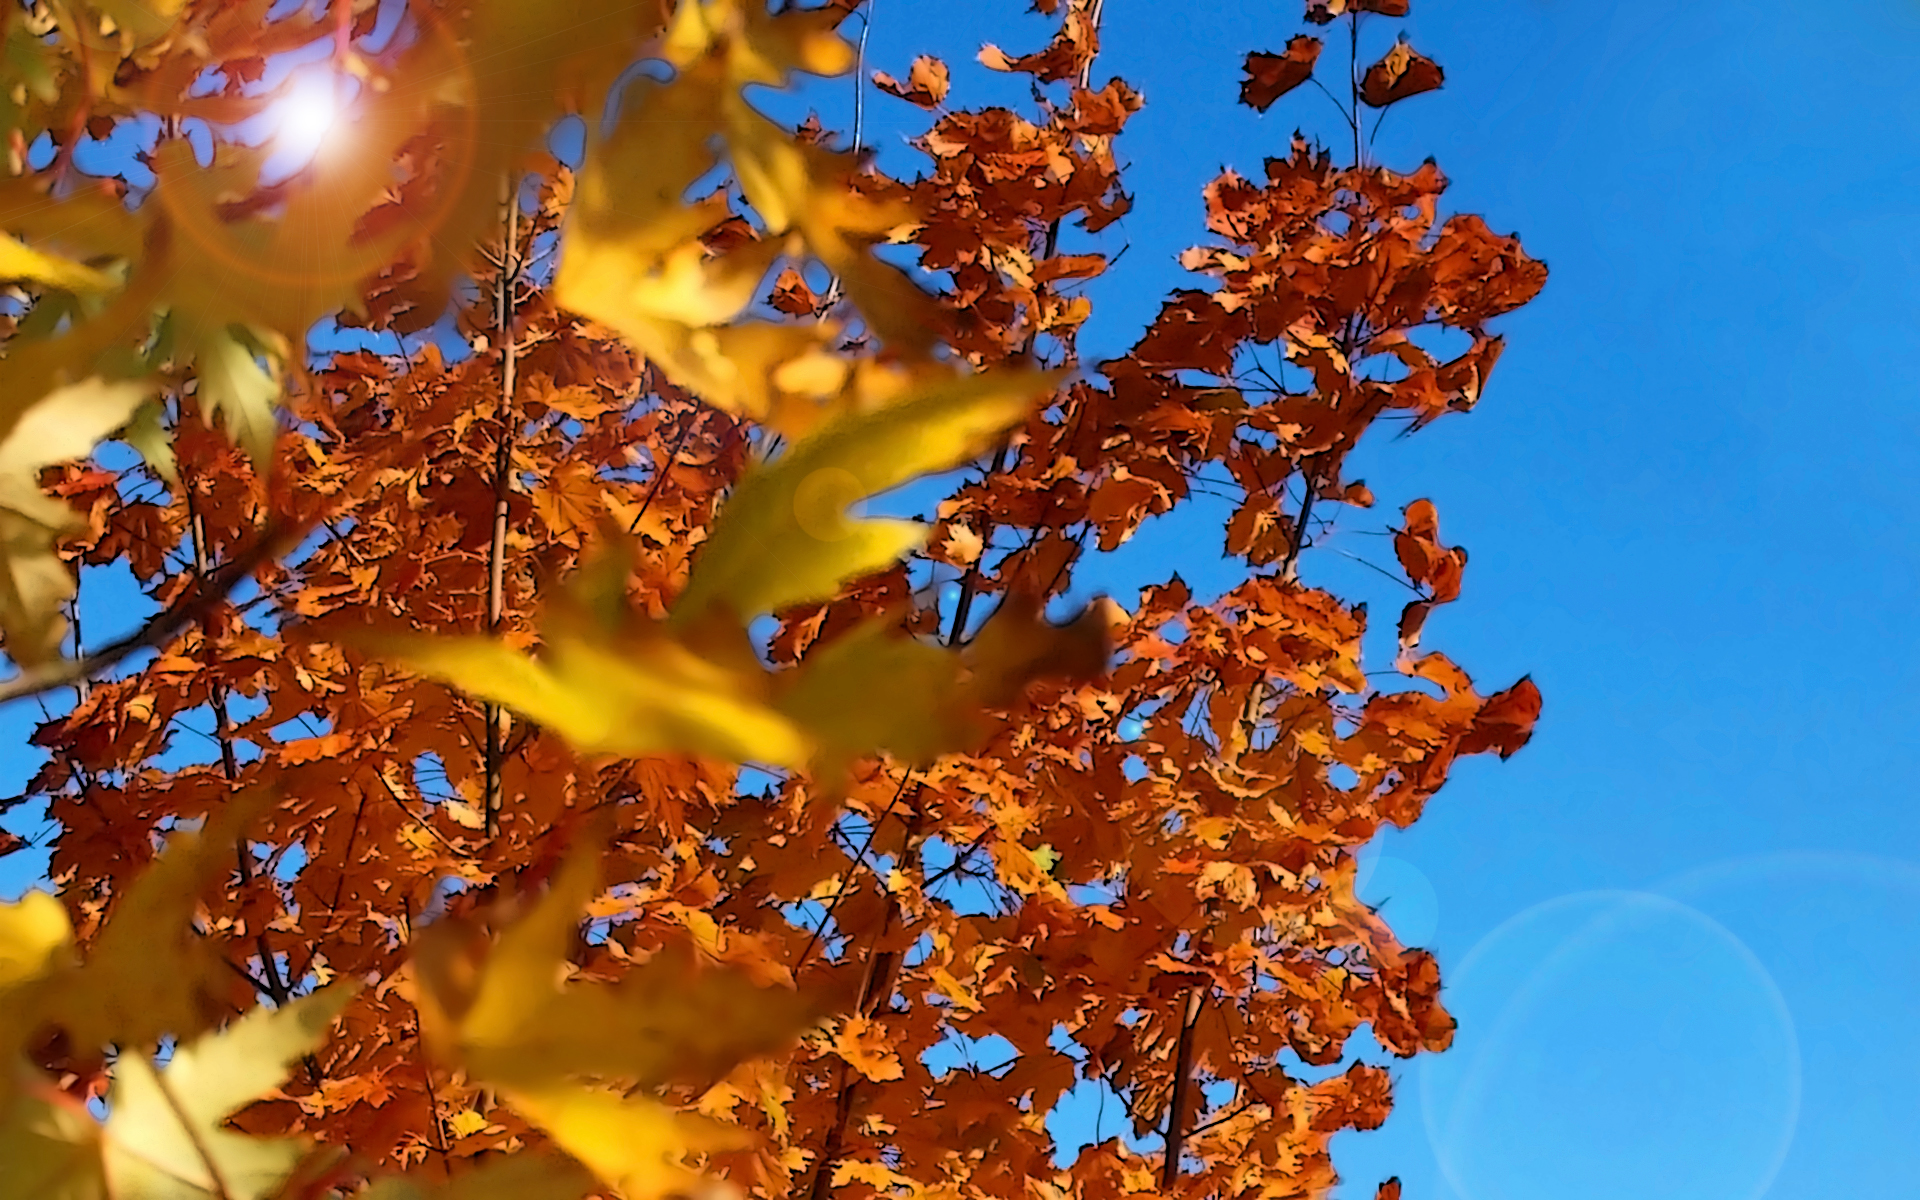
x=1614 y=1043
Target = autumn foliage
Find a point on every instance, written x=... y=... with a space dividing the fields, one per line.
x=566 y=786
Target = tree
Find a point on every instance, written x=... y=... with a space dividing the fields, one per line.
x=481 y=643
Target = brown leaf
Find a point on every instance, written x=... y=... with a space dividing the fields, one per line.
x=792 y=296
x=1402 y=73
x=1271 y=76
x=926 y=85
x=1072 y=47
x=1505 y=722
x=1413 y=618
x=1427 y=563
x=1320 y=12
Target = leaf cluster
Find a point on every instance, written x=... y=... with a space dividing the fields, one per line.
x=594 y=795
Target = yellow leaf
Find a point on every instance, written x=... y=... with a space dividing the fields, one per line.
x=637 y=1144
x=20 y=261
x=34 y=936
x=640 y=695
x=49 y=1147
x=917 y=716
x=758 y=45
x=784 y=537
x=234 y=388
x=165 y=1135
x=36 y=944
x=506 y=1017
x=866 y=1049
x=466 y=1122
x=35 y=585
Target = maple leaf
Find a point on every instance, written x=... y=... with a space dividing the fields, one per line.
x=21 y=262
x=164 y=1134
x=34 y=584
x=149 y=972
x=926 y=85
x=503 y=1014
x=1271 y=76
x=1403 y=72
x=785 y=537
x=635 y=1143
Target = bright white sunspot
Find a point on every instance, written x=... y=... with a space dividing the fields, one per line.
x=304 y=116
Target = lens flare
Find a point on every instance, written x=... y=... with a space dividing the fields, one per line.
x=304 y=117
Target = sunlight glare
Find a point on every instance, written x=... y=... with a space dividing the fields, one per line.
x=305 y=115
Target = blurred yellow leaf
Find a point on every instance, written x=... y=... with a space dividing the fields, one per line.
x=637 y=1144
x=149 y=973
x=785 y=537
x=19 y=261
x=165 y=1138
x=638 y=695
x=507 y=1017
x=35 y=585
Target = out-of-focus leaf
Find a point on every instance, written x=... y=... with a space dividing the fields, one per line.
x=19 y=261
x=635 y=1143
x=150 y=973
x=35 y=585
x=164 y=1137
x=236 y=390
x=785 y=535
x=505 y=1016
x=634 y=695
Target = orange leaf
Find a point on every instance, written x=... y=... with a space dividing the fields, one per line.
x=866 y=1049
x=926 y=85
x=792 y=296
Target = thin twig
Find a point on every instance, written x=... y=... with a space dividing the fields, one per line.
x=1218 y=1121
x=207 y=592
x=859 y=861
x=495 y=715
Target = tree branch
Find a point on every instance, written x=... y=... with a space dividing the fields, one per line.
x=503 y=309
x=208 y=591
x=1182 y=1087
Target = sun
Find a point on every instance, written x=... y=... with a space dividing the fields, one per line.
x=303 y=118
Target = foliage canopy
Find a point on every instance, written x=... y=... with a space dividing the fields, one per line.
x=598 y=798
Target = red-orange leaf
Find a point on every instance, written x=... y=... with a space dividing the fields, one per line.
x=1505 y=722
x=1322 y=11
x=1402 y=73
x=1271 y=76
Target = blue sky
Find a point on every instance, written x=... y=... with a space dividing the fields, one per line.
x=1681 y=930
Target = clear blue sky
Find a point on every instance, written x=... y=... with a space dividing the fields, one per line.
x=1682 y=929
